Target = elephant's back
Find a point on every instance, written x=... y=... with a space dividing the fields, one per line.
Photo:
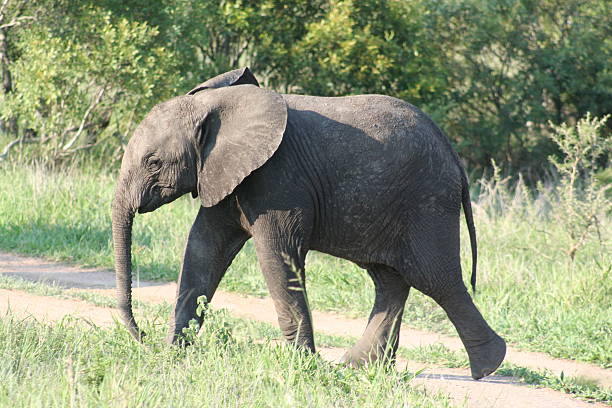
x=372 y=119
x=380 y=161
x=374 y=132
x=376 y=115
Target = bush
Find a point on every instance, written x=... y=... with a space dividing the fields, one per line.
x=580 y=201
x=86 y=85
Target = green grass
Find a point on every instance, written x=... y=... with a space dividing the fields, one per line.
x=577 y=386
x=527 y=288
x=232 y=364
x=432 y=355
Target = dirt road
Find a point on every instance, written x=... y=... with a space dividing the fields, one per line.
x=493 y=391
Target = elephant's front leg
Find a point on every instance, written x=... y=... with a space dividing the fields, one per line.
x=214 y=241
x=381 y=337
x=282 y=264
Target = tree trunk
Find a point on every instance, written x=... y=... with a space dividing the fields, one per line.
x=10 y=125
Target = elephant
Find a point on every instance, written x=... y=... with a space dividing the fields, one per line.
x=367 y=178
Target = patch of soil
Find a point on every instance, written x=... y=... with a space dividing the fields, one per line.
x=51 y=309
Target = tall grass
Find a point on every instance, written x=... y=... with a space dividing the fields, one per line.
x=535 y=289
x=529 y=289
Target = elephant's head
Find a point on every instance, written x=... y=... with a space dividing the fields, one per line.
x=206 y=143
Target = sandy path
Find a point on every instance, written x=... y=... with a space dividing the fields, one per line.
x=493 y=391
x=46 y=308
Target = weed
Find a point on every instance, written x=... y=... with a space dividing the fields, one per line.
x=222 y=330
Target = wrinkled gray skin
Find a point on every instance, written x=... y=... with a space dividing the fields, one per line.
x=366 y=178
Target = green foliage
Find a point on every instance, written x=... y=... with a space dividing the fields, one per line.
x=367 y=47
x=491 y=73
x=76 y=88
x=203 y=304
x=217 y=36
x=516 y=65
x=210 y=37
x=224 y=331
x=580 y=387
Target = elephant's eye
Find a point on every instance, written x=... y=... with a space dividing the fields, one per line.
x=154 y=164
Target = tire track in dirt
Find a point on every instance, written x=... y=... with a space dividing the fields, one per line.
x=493 y=391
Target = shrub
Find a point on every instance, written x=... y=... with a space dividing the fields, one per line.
x=579 y=201
x=79 y=86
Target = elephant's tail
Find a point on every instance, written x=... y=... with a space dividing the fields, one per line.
x=469 y=219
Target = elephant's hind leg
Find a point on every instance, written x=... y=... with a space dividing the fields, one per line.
x=437 y=273
x=486 y=349
x=381 y=337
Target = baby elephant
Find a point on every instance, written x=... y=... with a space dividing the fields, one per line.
x=367 y=178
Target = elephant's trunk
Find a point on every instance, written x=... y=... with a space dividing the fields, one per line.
x=123 y=217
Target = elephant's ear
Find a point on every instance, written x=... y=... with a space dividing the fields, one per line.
x=241 y=129
x=242 y=76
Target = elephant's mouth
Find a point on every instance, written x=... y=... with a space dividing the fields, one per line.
x=164 y=196
x=149 y=206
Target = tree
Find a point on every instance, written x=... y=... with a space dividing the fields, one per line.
x=491 y=73
x=84 y=77
x=515 y=65
x=217 y=36
x=12 y=17
x=374 y=46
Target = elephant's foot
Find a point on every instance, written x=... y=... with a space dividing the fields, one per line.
x=354 y=360
x=178 y=339
x=485 y=348
x=184 y=332
x=486 y=357
x=359 y=356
